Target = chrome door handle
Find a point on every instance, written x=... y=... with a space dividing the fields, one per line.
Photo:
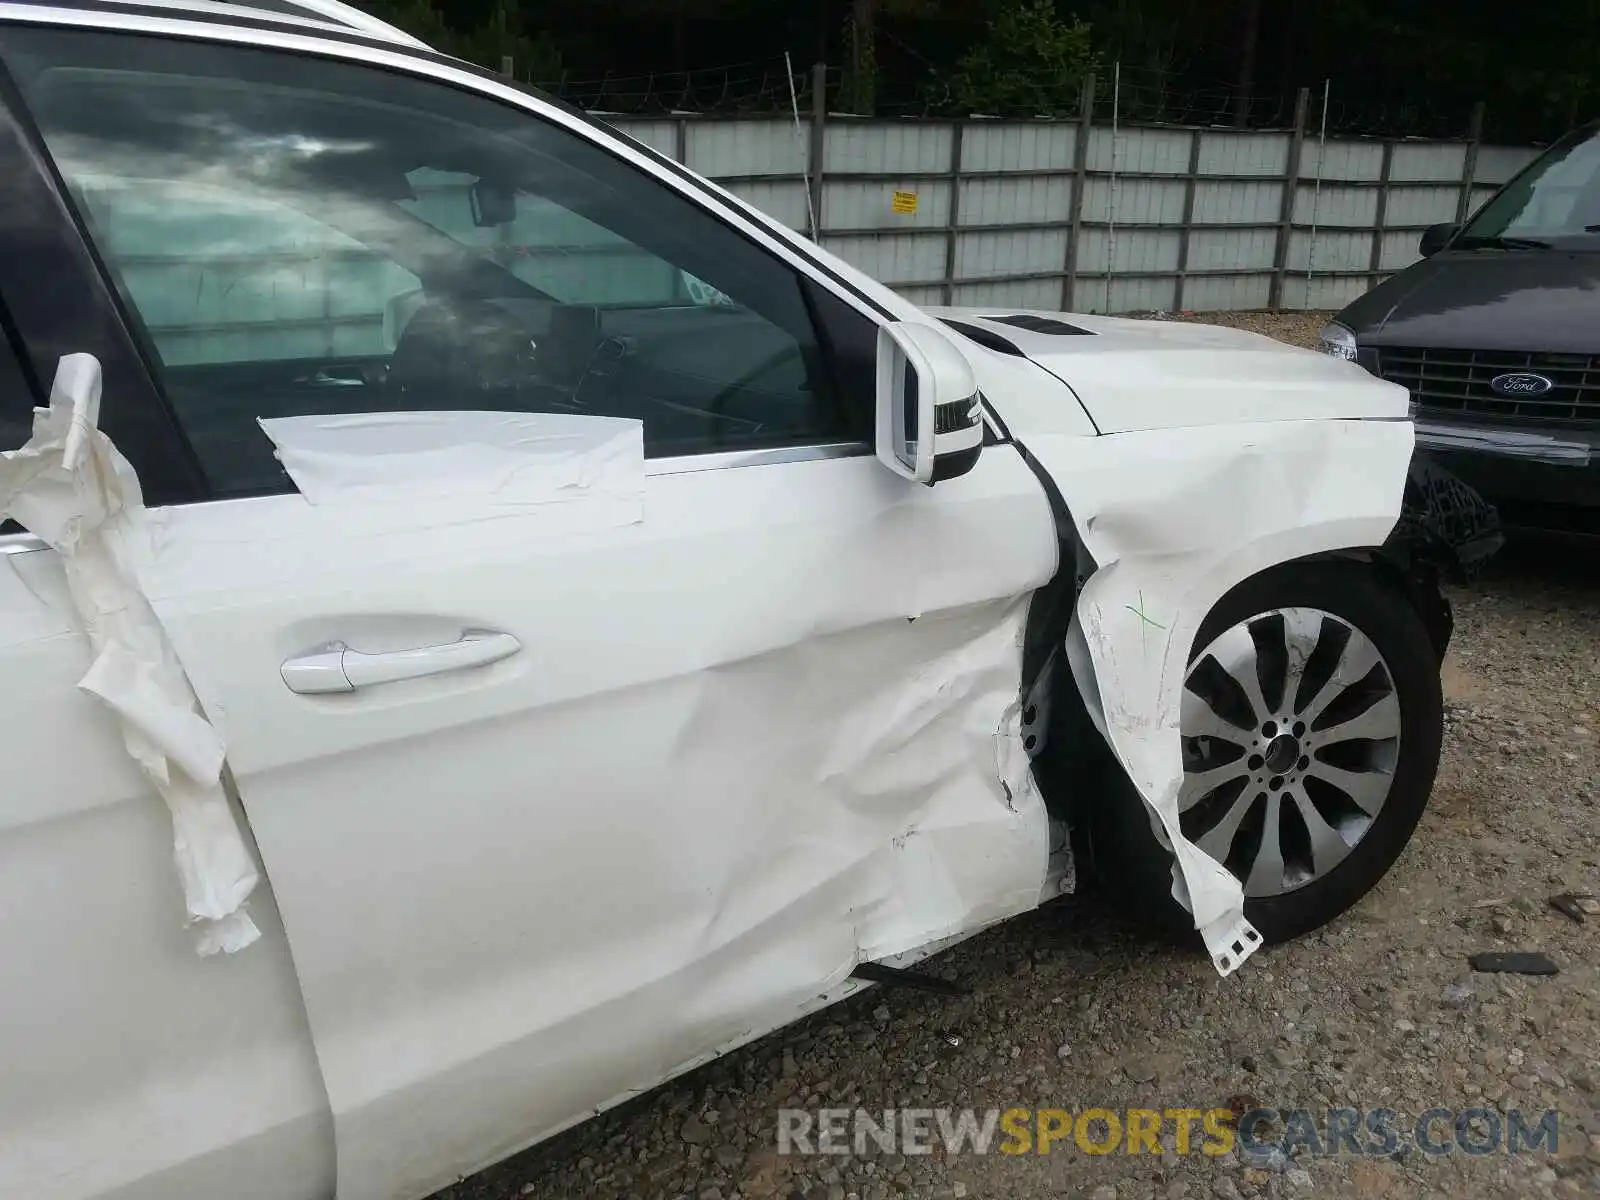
x=337 y=668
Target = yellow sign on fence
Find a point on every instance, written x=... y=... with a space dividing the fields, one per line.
x=904 y=202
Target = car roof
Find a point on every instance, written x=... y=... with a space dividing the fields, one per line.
x=331 y=15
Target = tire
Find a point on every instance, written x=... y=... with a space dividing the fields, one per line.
x=1310 y=893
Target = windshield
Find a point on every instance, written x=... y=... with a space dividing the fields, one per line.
x=1557 y=197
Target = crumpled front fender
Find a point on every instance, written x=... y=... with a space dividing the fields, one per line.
x=1172 y=520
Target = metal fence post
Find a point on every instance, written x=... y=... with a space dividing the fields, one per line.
x=1291 y=192
x=1469 y=165
x=680 y=152
x=819 y=124
x=1080 y=171
x=508 y=66
x=1111 y=190
x=954 y=232
x=1381 y=216
x=1188 y=220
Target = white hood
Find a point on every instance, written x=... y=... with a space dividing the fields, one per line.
x=1139 y=374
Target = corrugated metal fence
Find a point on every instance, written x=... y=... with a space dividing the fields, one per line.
x=1091 y=217
x=1037 y=214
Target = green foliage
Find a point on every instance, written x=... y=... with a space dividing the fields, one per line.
x=859 y=91
x=1031 y=63
x=534 y=57
x=858 y=94
x=1397 y=67
x=417 y=17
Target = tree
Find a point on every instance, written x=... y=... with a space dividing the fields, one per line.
x=1250 y=36
x=649 y=16
x=859 y=93
x=1397 y=67
x=1031 y=63
x=861 y=69
x=534 y=57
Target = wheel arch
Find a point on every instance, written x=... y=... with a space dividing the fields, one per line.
x=1444 y=530
x=1074 y=758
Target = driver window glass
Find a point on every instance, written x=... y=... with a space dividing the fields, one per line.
x=550 y=247
x=297 y=236
x=218 y=277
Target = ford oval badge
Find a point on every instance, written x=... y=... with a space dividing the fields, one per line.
x=1520 y=383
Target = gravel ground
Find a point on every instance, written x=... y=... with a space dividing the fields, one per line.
x=1076 y=1007
x=1296 y=328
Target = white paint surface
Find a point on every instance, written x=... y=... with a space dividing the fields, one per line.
x=69 y=486
x=1138 y=375
x=763 y=733
x=134 y=1068
x=501 y=460
x=748 y=742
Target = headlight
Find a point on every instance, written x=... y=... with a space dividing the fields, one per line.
x=1337 y=341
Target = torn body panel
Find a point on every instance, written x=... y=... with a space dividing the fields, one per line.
x=71 y=487
x=135 y=1068
x=1443 y=523
x=766 y=732
x=1446 y=532
x=685 y=812
x=1173 y=520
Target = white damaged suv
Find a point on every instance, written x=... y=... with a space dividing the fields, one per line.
x=491 y=621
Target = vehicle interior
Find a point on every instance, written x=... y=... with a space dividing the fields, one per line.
x=283 y=250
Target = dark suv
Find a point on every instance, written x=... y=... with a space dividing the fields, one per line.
x=1496 y=332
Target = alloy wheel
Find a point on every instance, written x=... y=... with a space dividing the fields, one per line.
x=1291 y=731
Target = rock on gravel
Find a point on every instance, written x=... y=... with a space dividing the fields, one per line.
x=1378 y=1010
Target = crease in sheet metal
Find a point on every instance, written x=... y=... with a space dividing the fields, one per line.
x=921 y=795
x=69 y=486
x=1174 y=520
x=976 y=850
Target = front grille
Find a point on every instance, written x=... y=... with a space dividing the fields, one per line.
x=1458 y=381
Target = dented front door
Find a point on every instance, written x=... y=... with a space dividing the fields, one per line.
x=568 y=767
x=747 y=742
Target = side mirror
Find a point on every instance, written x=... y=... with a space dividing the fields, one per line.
x=930 y=420
x=1436 y=237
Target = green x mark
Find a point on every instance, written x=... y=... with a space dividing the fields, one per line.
x=1145 y=620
